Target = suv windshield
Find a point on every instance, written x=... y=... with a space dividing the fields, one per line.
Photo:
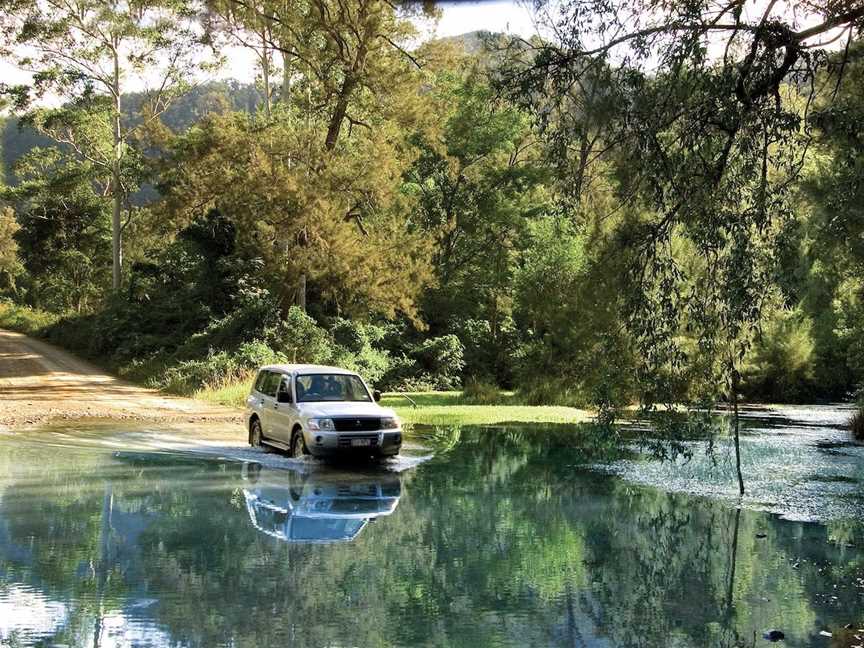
x=331 y=387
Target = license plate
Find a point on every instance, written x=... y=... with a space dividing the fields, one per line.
x=360 y=442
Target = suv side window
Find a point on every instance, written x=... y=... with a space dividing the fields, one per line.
x=268 y=388
x=285 y=388
x=260 y=380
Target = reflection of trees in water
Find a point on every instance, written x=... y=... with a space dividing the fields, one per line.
x=442 y=438
x=103 y=563
x=504 y=540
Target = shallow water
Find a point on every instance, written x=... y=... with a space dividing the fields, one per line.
x=477 y=537
x=798 y=462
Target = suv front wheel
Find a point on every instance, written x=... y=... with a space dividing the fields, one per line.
x=298 y=445
x=255 y=433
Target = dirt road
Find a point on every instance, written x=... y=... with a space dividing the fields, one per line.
x=39 y=382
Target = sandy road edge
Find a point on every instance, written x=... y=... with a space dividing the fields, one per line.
x=40 y=383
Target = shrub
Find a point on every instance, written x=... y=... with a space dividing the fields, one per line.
x=254 y=314
x=350 y=335
x=488 y=353
x=482 y=392
x=553 y=391
x=370 y=363
x=355 y=348
x=217 y=369
x=401 y=375
x=442 y=358
x=479 y=350
x=780 y=368
x=300 y=338
x=435 y=363
x=251 y=355
x=410 y=383
x=24 y=319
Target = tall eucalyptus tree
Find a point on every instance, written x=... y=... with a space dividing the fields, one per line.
x=89 y=53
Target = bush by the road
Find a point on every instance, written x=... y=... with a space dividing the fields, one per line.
x=23 y=318
x=156 y=345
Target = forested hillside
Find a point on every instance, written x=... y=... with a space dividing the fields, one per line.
x=441 y=215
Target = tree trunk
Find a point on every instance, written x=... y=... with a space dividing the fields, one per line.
x=285 y=91
x=339 y=113
x=341 y=108
x=735 y=422
x=301 y=293
x=265 y=72
x=116 y=188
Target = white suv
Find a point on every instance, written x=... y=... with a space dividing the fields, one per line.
x=312 y=409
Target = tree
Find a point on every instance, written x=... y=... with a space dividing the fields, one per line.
x=340 y=219
x=344 y=53
x=10 y=264
x=708 y=143
x=479 y=180
x=344 y=62
x=248 y=24
x=84 y=51
x=64 y=231
x=836 y=183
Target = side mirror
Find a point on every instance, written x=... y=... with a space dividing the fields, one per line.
x=283 y=397
x=376 y=395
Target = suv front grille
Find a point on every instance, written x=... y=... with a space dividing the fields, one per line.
x=358 y=424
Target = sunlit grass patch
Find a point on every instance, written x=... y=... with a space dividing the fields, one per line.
x=490 y=414
x=230 y=395
x=454 y=408
x=444 y=399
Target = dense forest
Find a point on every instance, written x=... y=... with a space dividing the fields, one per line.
x=672 y=224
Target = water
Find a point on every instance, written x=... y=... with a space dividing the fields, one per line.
x=798 y=462
x=478 y=537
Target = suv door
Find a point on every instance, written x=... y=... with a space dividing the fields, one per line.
x=284 y=412
x=255 y=401
x=268 y=400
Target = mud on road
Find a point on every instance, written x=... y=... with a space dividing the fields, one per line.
x=39 y=383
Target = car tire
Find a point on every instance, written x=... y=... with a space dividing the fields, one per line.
x=255 y=433
x=251 y=472
x=298 y=445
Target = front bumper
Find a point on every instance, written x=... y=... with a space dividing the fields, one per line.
x=383 y=443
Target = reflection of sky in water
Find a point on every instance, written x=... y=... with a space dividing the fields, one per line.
x=28 y=616
x=798 y=462
x=24 y=610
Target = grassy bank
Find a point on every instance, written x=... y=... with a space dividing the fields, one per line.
x=437 y=408
x=453 y=408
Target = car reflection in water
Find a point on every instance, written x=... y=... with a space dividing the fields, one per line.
x=317 y=504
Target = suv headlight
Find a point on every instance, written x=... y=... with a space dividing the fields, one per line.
x=324 y=424
x=390 y=423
